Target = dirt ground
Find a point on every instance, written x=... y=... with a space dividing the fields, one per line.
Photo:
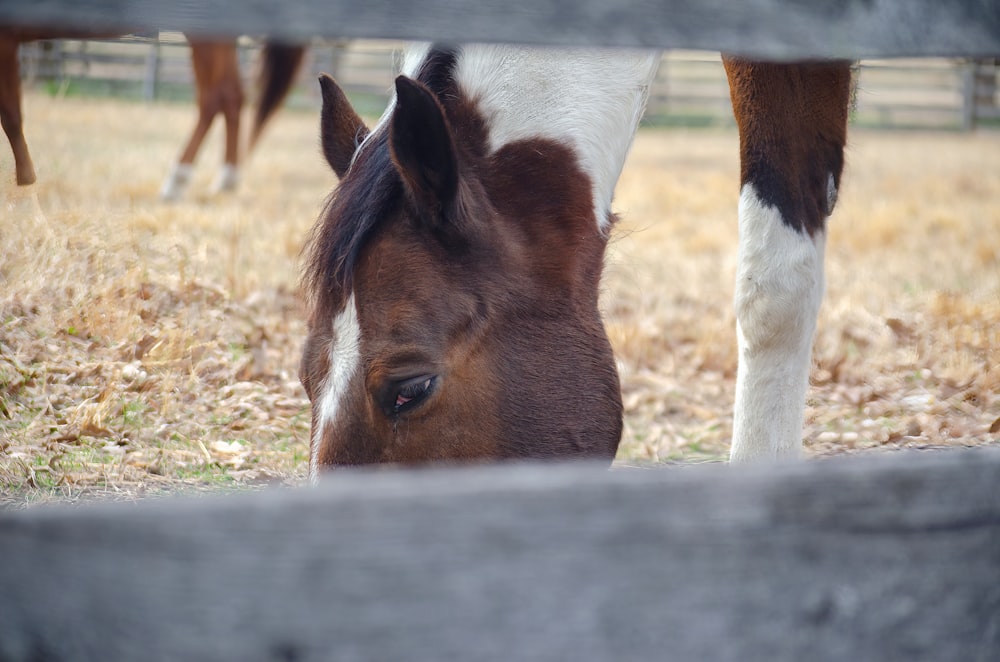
x=148 y=348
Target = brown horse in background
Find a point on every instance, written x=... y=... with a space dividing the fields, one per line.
x=219 y=90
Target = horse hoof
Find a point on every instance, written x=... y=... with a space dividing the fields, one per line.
x=176 y=183
x=227 y=180
x=25 y=178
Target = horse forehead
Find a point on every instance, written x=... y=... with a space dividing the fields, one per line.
x=407 y=297
x=398 y=261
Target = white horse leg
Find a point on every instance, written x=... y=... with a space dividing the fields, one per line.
x=176 y=182
x=779 y=287
x=793 y=127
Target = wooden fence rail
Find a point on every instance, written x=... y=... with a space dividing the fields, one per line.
x=894 y=557
x=690 y=88
x=852 y=29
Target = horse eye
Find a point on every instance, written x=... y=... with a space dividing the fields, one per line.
x=410 y=393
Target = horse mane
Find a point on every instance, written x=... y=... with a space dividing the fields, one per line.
x=349 y=218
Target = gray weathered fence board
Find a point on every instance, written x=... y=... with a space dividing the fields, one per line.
x=892 y=557
x=777 y=28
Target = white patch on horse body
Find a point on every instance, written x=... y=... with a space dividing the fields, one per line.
x=779 y=287
x=590 y=99
x=413 y=58
x=345 y=357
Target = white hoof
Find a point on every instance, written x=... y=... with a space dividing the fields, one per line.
x=177 y=182
x=227 y=180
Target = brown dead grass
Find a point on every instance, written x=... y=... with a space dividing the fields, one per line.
x=908 y=347
x=148 y=348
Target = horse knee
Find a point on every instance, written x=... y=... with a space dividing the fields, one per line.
x=229 y=100
x=779 y=282
x=776 y=304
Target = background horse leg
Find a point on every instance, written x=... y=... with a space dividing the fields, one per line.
x=279 y=64
x=792 y=120
x=212 y=62
x=229 y=91
x=220 y=89
x=10 y=110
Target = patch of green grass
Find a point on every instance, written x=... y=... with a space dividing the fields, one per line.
x=237 y=351
x=35 y=472
x=206 y=473
x=684 y=121
x=45 y=474
x=132 y=412
x=79 y=457
x=124 y=90
x=221 y=420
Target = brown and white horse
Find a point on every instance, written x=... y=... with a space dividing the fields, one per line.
x=218 y=86
x=453 y=276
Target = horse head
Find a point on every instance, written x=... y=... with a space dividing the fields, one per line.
x=453 y=290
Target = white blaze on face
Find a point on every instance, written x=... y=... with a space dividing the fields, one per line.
x=345 y=357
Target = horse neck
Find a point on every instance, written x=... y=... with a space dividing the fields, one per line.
x=589 y=99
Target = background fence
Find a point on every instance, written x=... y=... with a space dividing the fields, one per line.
x=690 y=88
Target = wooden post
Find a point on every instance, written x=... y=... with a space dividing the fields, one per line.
x=986 y=89
x=151 y=78
x=969 y=95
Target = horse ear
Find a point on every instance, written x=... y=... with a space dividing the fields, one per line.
x=422 y=146
x=341 y=130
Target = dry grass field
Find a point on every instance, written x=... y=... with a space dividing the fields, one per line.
x=148 y=348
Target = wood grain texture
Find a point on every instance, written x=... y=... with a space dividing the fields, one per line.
x=892 y=557
x=771 y=28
